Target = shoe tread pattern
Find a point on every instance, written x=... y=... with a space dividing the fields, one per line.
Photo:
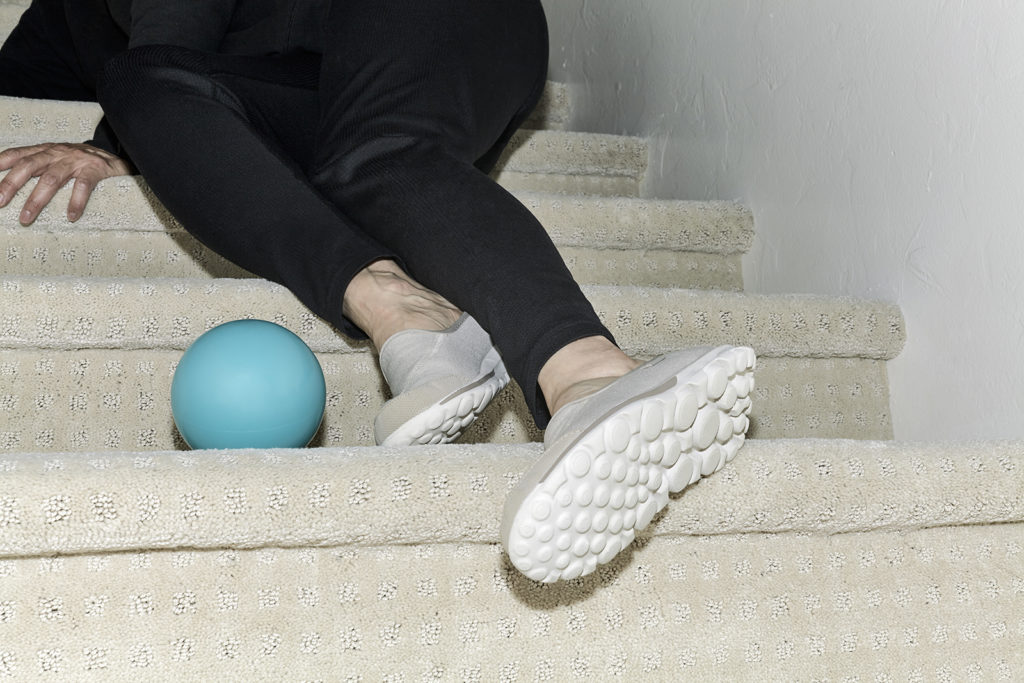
x=617 y=477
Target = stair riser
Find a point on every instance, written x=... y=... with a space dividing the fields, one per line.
x=540 y=160
x=429 y=496
x=115 y=253
x=759 y=607
x=94 y=400
x=605 y=186
x=66 y=313
x=554 y=111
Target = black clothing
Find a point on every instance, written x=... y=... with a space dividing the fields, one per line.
x=232 y=27
x=43 y=58
x=305 y=168
x=59 y=47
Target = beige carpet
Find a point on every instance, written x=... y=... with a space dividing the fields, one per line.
x=802 y=560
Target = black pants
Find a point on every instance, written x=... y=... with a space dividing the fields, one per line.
x=305 y=168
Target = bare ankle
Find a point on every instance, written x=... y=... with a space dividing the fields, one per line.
x=581 y=368
x=382 y=300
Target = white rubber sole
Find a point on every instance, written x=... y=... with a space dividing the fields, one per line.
x=446 y=420
x=584 y=501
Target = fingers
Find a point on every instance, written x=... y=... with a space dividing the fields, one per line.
x=55 y=164
x=52 y=179
x=84 y=185
x=20 y=171
x=9 y=157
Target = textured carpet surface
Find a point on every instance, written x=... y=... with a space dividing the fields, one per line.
x=126 y=204
x=375 y=496
x=70 y=312
x=811 y=560
x=113 y=253
x=96 y=399
x=88 y=361
x=611 y=241
x=930 y=605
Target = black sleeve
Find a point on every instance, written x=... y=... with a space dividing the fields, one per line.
x=96 y=38
x=105 y=138
x=44 y=59
x=59 y=47
x=39 y=60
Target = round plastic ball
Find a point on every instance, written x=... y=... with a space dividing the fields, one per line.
x=248 y=384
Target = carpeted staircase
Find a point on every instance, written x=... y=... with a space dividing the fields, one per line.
x=824 y=551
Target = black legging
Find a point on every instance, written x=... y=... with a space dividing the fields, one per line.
x=305 y=169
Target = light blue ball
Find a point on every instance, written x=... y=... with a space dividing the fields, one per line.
x=248 y=384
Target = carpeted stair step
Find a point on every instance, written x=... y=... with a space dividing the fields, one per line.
x=453 y=494
x=121 y=313
x=126 y=232
x=103 y=399
x=554 y=111
x=10 y=12
x=86 y=363
x=800 y=559
x=540 y=160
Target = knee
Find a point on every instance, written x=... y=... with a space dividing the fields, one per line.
x=137 y=74
x=396 y=161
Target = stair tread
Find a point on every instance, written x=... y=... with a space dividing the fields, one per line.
x=454 y=494
x=716 y=227
x=76 y=312
x=107 y=253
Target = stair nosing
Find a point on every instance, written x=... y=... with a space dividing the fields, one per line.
x=629 y=223
x=843 y=475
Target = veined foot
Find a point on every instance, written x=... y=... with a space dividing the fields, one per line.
x=612 y=458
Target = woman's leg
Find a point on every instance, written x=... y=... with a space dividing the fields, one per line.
x=415 y=97
x=218 y=139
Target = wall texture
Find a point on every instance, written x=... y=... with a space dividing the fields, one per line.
x=880 y=145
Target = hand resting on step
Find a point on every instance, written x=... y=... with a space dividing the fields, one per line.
x=55 y=164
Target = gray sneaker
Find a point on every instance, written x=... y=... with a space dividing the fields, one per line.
x=612 y=458
x=441 y=381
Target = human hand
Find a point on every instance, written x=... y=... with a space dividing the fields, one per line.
x=55 y=163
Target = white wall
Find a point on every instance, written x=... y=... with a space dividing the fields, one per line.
x=880 y=144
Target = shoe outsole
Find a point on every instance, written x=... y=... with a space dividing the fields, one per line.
x=446 y=420
x=611 y=481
